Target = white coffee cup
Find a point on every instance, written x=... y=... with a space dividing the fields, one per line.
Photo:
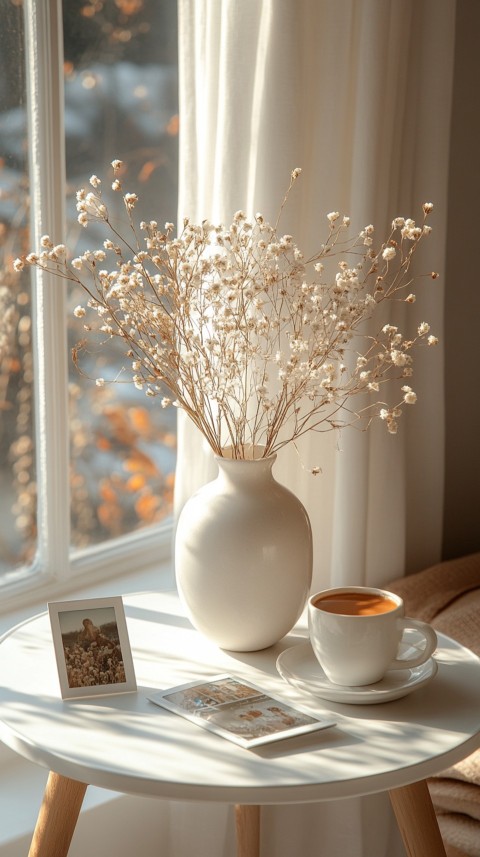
x=356 y=645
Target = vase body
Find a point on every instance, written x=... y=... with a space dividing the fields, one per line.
x=243 y=556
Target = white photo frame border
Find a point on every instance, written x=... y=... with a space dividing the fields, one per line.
x=55 y=608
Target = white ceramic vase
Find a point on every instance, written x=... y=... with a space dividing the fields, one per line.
x=243 y=556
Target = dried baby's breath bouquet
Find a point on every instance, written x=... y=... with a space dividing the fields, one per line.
x=257 y=344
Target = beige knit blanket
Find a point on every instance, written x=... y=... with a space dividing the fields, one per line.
x=448 y=596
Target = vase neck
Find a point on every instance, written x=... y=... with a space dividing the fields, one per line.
x=240 y=471
x=245 y=452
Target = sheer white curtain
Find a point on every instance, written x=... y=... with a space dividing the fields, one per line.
x=357 y=93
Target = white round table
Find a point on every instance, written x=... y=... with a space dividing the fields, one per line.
x=126 y=743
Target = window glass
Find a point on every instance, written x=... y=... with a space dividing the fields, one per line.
x=121 y=102
x=17 y=453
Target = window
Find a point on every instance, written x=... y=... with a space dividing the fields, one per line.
x=85 y=471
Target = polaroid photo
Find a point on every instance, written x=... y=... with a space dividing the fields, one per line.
x=238 y=711
x=91 y=645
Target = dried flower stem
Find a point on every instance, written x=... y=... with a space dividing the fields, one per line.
x=258 y=345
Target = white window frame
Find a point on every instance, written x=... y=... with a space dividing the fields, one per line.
x=57 y=567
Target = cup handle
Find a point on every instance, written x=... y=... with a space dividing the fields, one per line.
x=431 y=643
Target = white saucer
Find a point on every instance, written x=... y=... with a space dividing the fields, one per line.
x=300 y=668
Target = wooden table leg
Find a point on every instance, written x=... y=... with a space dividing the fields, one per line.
x=57 y=818
x=247 y=823
x=417 y=821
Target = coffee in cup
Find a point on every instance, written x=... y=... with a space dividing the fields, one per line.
x=356 y=603
x=355 y=633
